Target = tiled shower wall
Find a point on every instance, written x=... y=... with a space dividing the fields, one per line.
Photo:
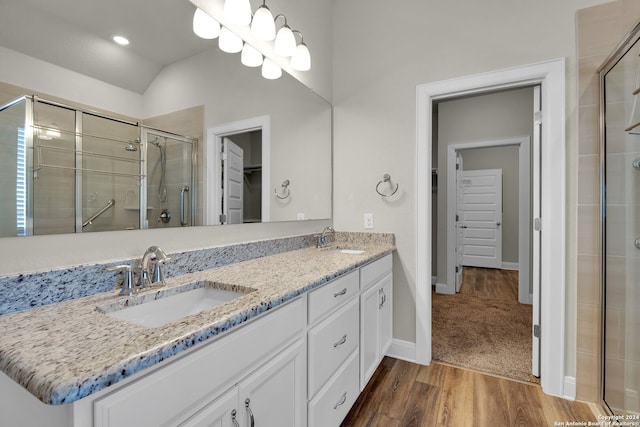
x=599 y=30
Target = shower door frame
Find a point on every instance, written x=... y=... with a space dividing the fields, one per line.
x=628 y=41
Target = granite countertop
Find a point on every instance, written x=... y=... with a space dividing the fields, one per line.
x=63 y=352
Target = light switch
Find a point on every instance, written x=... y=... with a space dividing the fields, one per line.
x=368 y=220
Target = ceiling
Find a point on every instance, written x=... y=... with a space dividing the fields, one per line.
x=77 y=35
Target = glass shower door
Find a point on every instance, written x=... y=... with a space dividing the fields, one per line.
x=170 y=173
x=621 y=216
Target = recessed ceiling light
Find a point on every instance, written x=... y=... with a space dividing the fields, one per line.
x=120 y=40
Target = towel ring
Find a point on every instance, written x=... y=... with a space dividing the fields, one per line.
x=386 y=178
x=285 y=190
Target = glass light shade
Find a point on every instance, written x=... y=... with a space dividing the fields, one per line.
x=301 y=59
x=229 y=42
x=237 y=11
x=204 y=25
x=250 y=56
x=270 y=70
x=285 y=44
x=263 y=27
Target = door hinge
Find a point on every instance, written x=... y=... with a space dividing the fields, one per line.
x=537 y=224
x=457 y=269
x=536 y=331
x=457 y=217
x=537 y=117
x=223 y=218
x=457 y=166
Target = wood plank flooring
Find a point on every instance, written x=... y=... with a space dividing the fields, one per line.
x=404 y=394
x=490 y=283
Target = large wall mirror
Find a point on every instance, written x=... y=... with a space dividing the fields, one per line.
x=168 y=131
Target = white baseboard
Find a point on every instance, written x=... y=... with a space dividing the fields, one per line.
x=403 y=350
x=631 y=400
x=510 y=266
x=443 y=288
x=569 y=388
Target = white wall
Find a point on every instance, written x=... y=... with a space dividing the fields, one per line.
x=382 y=50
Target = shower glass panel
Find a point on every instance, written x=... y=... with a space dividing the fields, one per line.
x=111 y=174
x=620 y=154
x=54 y=160
x=67 y=170
x=170 y=174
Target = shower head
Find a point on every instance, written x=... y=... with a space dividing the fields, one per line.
x=131 y=147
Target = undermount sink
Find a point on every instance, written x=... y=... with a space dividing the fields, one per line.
x=169 y=305
x=349 y=251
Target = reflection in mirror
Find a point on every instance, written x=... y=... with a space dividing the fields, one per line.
x=192 y=90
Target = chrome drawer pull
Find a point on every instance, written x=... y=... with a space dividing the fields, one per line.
x=342 y=400
x=233 y=418
x=246 y=405
x=342 y=292
x=342 y=341
x=384 y=297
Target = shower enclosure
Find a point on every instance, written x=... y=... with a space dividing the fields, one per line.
x=620 y=201
x=67 y=170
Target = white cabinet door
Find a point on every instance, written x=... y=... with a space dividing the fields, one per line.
x=376 y=322
x=386 y=314
x=369 y=334
x=274 y=395
x=223 y=412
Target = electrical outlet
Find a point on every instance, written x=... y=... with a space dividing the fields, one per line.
x=368 y=220
x=300 y=216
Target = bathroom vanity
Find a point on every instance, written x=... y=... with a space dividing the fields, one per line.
x=295 y=348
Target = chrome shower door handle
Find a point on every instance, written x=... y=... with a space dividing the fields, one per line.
x=184 y=190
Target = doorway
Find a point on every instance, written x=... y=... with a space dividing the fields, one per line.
x=238 y=172
x=551 y=222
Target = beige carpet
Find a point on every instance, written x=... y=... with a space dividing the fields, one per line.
x=485 y=334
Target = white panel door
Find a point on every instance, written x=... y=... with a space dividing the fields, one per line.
x=233 y=183
x=480 y=210
x=459 y=223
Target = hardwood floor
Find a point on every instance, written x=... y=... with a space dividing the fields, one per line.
x=490 y=283
x=403 y=394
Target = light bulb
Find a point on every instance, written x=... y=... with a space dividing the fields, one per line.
x=285 y=44
x=263 y=27
x=301 y=59
x=229 y=42
x=250 y=56
x=238 y=11
x=270 y=70
x=204 y=25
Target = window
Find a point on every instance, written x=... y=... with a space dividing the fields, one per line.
x=21 y=184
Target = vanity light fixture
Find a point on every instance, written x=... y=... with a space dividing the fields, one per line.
x=263 y=27
x=204 y=25
x=271 y=70
x=301 y=58
x=122 y=41
x=229 y=42
x=285 y=44
x=250 y=56
x=237 y=11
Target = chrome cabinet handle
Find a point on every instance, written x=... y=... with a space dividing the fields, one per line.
x=342 y=292
x=234 y=413
x=342 y=341
x=183 y=221
x=637 y=243
x=246 y=405
x=384 y=297
x=342 y=400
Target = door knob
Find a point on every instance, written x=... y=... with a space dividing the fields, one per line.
x=498 y=224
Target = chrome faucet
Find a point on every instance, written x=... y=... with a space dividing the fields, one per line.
x=153 y=253
x=322 y=239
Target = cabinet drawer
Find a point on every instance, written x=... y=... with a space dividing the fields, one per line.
x=333 y=402
x=331 y=342
x=332 y=295
x=371 y=273
x=171 y=392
